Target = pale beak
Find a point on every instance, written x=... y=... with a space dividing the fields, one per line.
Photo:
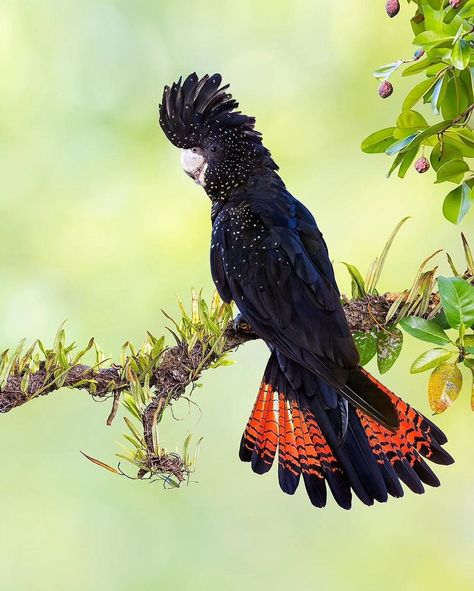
x=194 y=165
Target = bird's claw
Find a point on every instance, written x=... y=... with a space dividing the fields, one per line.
x=241 y=325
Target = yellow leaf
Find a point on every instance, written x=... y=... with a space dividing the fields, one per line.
x=444 y=386
x=101 y=464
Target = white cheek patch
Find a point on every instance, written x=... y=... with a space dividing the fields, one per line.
x=191 y=161
x=202 y=173
x=194 y=165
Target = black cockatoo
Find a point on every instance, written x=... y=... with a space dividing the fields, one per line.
x=331 y=421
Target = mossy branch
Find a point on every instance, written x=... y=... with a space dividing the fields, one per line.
x=148 y=380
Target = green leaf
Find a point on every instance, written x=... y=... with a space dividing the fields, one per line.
x=439 y=157
x=424 y=136
x=439 y=92
x=469 y=343
x=358 y=284
x=453 y=171
x=417 y=67
x=396 y=163
x=384 y=72
x=416 y=93
x=430 y=359
x=389 y=346
x=466 y=134
x=444 y=386
x=379 y=141
x=454 y=139
x=457 y=203
x=425 y=330
x=401 y=144
x=434 y=130
x=456 y=99
x=461 y=54
x=466 y=77
x=407 y=161
x=412 y=121
x=429 y=39
x=467 y=11
x=366 y=343
x=457 y=299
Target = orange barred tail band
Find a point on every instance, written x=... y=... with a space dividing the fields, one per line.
x=370 y=460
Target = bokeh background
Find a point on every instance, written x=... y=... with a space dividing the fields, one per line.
x=99 y=225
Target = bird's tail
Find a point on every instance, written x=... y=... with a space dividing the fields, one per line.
x=368 y=459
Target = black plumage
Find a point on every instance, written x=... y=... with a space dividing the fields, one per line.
x=329 y=420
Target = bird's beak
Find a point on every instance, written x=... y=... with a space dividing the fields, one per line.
x=194 y=165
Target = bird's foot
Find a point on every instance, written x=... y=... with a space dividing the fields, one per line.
x=241 y=325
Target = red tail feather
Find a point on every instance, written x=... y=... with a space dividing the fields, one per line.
x=370 y=460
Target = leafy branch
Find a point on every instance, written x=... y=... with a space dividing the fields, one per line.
x=444 y=34
x=150 y=379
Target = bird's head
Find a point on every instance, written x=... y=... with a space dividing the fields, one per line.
x=220 y=146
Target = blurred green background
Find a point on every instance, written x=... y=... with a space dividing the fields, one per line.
x=99 y=225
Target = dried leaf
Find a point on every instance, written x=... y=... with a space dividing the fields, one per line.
x=377 y=268
x=101 y=464
x=444 y=386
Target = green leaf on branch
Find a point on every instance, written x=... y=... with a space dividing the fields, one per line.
x=417 y=67
x=417 y=138
x=442 y=153
x=389 y=346
x=456 y=99
x=469 y=343
x=444 y=386
x=429 y=39
x=357 y=282
x=467 y=11
x=401 y=144
x=396 y=163
x=425 y=330
x=408 y=123
x=366 y=343
x=453 y=171
x=461 y=54
x=430 y=359
x=457 y=203
x=384 y=72
x=407 y=161
x=439 y=92
x=457 y=299
x=416 y=93
x=378 y=142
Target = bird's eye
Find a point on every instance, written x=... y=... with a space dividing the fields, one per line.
x=213 y=148
x=194 y=150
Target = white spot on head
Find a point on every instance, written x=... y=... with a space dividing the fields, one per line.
x=194 y=164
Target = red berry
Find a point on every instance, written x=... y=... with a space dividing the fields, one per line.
x=392 y=7
x=455 y=3
x=385 y=89
x=422 y=165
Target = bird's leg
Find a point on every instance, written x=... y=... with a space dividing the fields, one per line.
x=241 y=325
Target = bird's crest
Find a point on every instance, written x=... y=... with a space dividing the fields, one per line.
x=197 y=109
